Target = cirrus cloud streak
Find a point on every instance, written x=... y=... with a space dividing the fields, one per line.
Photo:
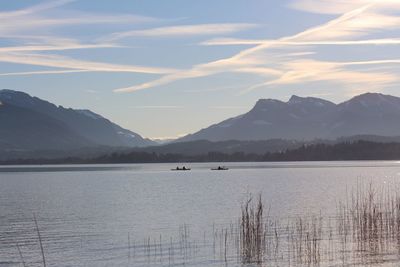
x=362 y=19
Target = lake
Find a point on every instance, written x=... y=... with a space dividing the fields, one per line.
x=148 y=215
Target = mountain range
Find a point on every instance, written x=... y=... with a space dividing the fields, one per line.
x=308 y=118
x=31 y=127
x=29 y=123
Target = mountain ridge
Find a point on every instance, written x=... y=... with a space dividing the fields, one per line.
x=302 y=119
x=59 y=127
x=307 y=118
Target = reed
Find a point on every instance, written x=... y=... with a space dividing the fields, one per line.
x=40 y=241
x=20 y=255
x=372 y=220
x=252 y=231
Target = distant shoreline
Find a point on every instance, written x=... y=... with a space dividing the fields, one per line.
x=345 y=151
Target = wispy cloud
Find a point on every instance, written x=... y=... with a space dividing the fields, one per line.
x=19 y=25
x=43 y=72
x=67 y=46
x=183 y=30
x=36 y=17
x=271 y=59
x=31 y=29
x=197 y=71
x=35 y=9
x=241 y=59
x=231 y=41
x=359 y=18
x=306 y=70
x=312 y=70
x=335 y=7
x=58 y=61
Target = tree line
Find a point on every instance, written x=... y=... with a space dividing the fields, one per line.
x=358 y=150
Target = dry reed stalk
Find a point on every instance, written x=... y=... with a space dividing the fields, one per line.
x=40 y=240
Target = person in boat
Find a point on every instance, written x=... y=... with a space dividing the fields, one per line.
x=184 y=168
x=219 y=168
x=177 y=168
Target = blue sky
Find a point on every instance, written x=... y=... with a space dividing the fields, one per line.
x=168 y=68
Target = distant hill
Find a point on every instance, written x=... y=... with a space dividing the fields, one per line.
x=258 y=147
x=308 y=118
x=357 y=150
x=200 y=147
x=194 y=149
x=29 y=123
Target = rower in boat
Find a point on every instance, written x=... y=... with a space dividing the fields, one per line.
x=223 y=168
x=181 y=169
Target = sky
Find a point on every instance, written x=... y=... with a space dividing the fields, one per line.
x=164 y=68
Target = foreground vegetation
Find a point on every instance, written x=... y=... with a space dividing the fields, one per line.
x=365 y=230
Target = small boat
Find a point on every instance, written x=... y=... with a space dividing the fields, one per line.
x=223 y=168
x=181 y=169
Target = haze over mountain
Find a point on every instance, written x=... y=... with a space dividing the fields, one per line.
x=29 y=123
x=308 y=118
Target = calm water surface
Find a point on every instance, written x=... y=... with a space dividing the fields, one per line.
x=136 y=215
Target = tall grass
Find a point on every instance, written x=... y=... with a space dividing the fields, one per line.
x=372 y=220
x=40 y=241
x=365 y=229
x=252 y=231
x=20 y=255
